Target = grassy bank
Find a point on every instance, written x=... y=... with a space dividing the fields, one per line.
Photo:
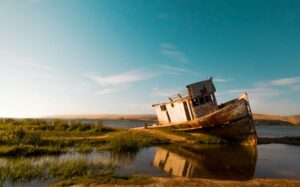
x=131 y=141
x=110 y=179
x=21 y=138
x=29 y=150
x=184 y=137
x=170 y=182
x=23 y=170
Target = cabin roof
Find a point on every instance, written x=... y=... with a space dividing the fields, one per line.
x=201 y=88
x=204 y=82
x=192 y=91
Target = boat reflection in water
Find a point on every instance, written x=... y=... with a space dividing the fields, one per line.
x=208 y=161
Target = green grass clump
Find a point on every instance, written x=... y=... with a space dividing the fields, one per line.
x=211 y=140
x=16 y=130
x=71 y=126
x=29 y=150
x=203 y=139
x=125 y=141
x=23 y=170
x=81 y=167
x=106 y=179
x=84 y=148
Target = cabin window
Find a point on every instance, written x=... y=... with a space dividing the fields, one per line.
x=201 y=101
x=195 y=102
x=163 y=108
x=207 y=98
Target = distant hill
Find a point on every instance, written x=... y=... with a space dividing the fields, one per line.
x=265 y=119
x=260 y=119
x=108 y=116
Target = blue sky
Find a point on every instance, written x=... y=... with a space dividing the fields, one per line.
x=89 y=57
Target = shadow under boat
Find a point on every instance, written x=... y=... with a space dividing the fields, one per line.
x=208 y=161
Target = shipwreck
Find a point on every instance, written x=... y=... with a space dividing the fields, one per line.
x=196 y=110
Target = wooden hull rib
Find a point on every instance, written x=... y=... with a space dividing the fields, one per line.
x=232 y=121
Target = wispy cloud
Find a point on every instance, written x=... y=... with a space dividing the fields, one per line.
x=34 y=65
x=257 y=91
x=123 y=78
x=296 y=88
x=174 y=53
x=268 y=97
x=107 y=91
x=168 y=46
x=223 y=80
x=165 y=92
x=286 y=81
x=115 y=83
x=39 y=66
x=35 y=1
x=171 y=70
x=44 y=71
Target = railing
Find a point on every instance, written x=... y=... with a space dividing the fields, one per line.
x=180 y=95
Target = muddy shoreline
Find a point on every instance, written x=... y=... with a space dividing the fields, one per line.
x=170 y=182
x=281 y=140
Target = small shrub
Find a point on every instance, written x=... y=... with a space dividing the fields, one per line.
x=74 y=126
x=29 y=150
x=132 y=141
x=17 y=134
x=33 y=138
x=99 y=128
x=62 y=126
x=85 y=127
x=24 y=170
x=84 y=149
x=81 y=167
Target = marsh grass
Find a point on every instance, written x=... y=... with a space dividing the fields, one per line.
x=73 y=127
x=131 y=141
x=29 y=150
x=198 y=139
x=79 y=167
x=21 y=171
x=24 y=170
x=84 y=148
x=17 y=129
x=105 y=179
x=44 y=137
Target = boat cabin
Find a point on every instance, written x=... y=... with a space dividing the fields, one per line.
x=195 y=101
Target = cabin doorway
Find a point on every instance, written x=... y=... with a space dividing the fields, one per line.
x=187 y=113
x=168 y=116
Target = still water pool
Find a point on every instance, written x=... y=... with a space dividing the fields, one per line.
x=225 y=162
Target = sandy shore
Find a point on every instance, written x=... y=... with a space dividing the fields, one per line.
x=170 y=182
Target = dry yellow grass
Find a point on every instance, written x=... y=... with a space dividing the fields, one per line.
x=172 y=137
x=293 y=120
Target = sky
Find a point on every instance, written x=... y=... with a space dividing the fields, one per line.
x=122 y=56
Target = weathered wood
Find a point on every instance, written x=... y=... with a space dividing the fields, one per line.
x=233 y=121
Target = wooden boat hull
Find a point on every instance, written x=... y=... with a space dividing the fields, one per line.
x=233 y=121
